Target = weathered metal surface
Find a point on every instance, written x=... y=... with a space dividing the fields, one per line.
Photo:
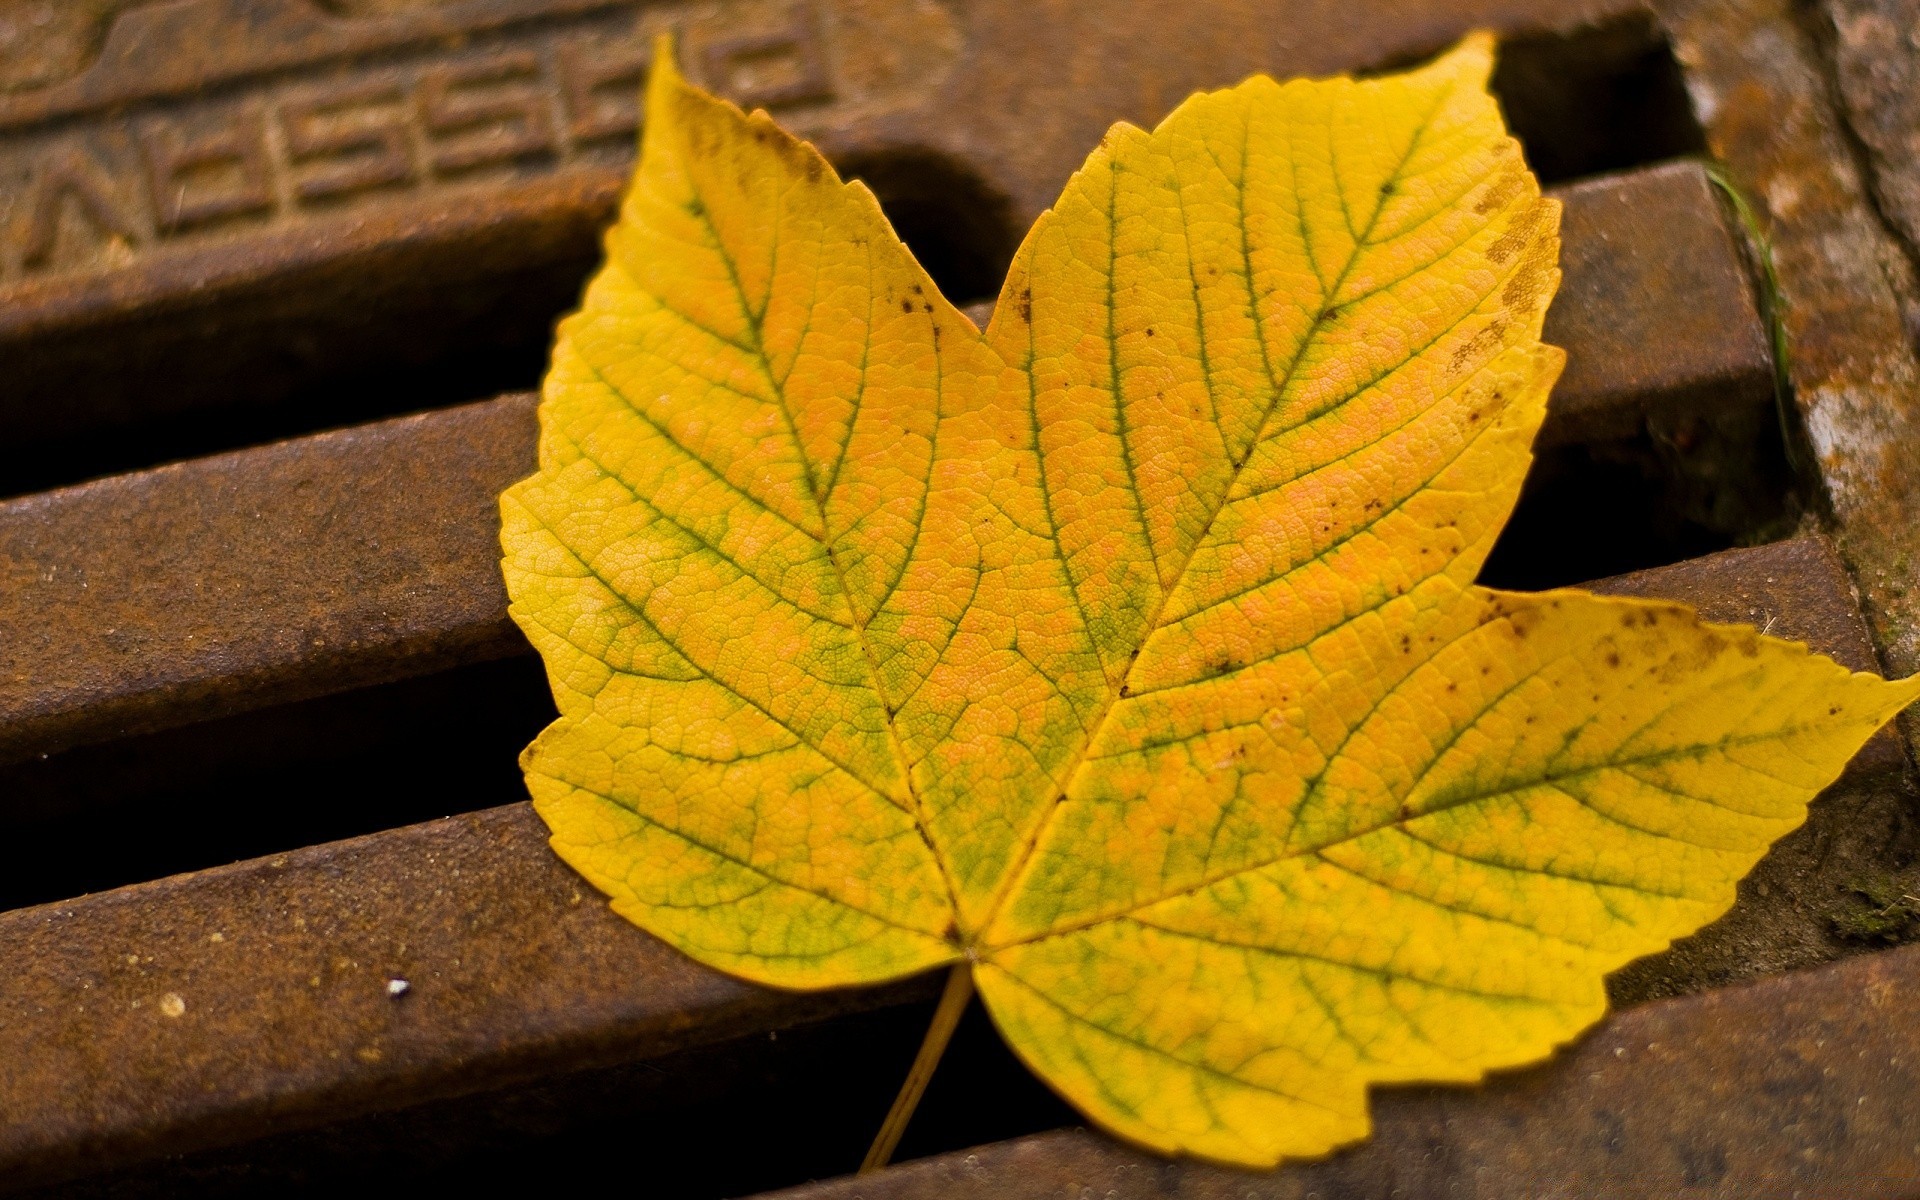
x=218 y=1006
x=119 y=150
x=1756 y=76
x=1803 y=1086
x=209 y=1008
x=215 y=202
x=1655 y=302
x=255 y=578
x=1876 y=64
x=357 y=557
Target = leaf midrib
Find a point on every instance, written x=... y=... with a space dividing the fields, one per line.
x=1280 y=384
x=1545 y=780
x=761 y=359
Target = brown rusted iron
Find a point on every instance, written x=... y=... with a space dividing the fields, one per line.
x=256 y=578
x=1655 y=303
x=1807 y=1085
x=215 y=1007
x=210 y=1008
x=1870 y=50
x=358 y=557
x=1758 y=78
x=297 y=211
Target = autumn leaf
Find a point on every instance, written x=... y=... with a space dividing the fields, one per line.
x=1128 y=655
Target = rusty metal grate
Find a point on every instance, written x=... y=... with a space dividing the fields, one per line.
x=225 y=223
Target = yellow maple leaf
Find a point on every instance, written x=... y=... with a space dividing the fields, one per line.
x=1128 y=654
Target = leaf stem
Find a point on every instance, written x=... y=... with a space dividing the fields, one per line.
x=953 y=1002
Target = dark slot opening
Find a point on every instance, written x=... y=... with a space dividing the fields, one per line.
x=1598 y=509
x=410 y=327
x=267 y=781
x=1596 y=99
x=745 y=1116
x=960 y=228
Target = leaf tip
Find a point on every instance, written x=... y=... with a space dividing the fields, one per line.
x=663 y=72
x=1904 y=692
x=1468 y=61
x=663 y=53
x=1475 y=50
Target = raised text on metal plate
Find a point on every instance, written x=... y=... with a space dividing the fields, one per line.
x=128 y=125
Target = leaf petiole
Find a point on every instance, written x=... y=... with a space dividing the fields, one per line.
x=946 y=1017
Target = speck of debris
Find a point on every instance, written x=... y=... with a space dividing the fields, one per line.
x=173 y=1005
x=397 y=988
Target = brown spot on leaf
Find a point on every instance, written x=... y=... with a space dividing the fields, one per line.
x=1503 y=188
x=1474 y=347
x=1518 y=235
x=1523 y=290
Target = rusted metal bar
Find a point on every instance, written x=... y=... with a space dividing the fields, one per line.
x=352 y=558
x=290 y=206
x=207 y=1009
x=1656 y=307
x=438 y=959
x=1877 y=65
x=1768 y=111
x=1806 y=1085
x=256 y=578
